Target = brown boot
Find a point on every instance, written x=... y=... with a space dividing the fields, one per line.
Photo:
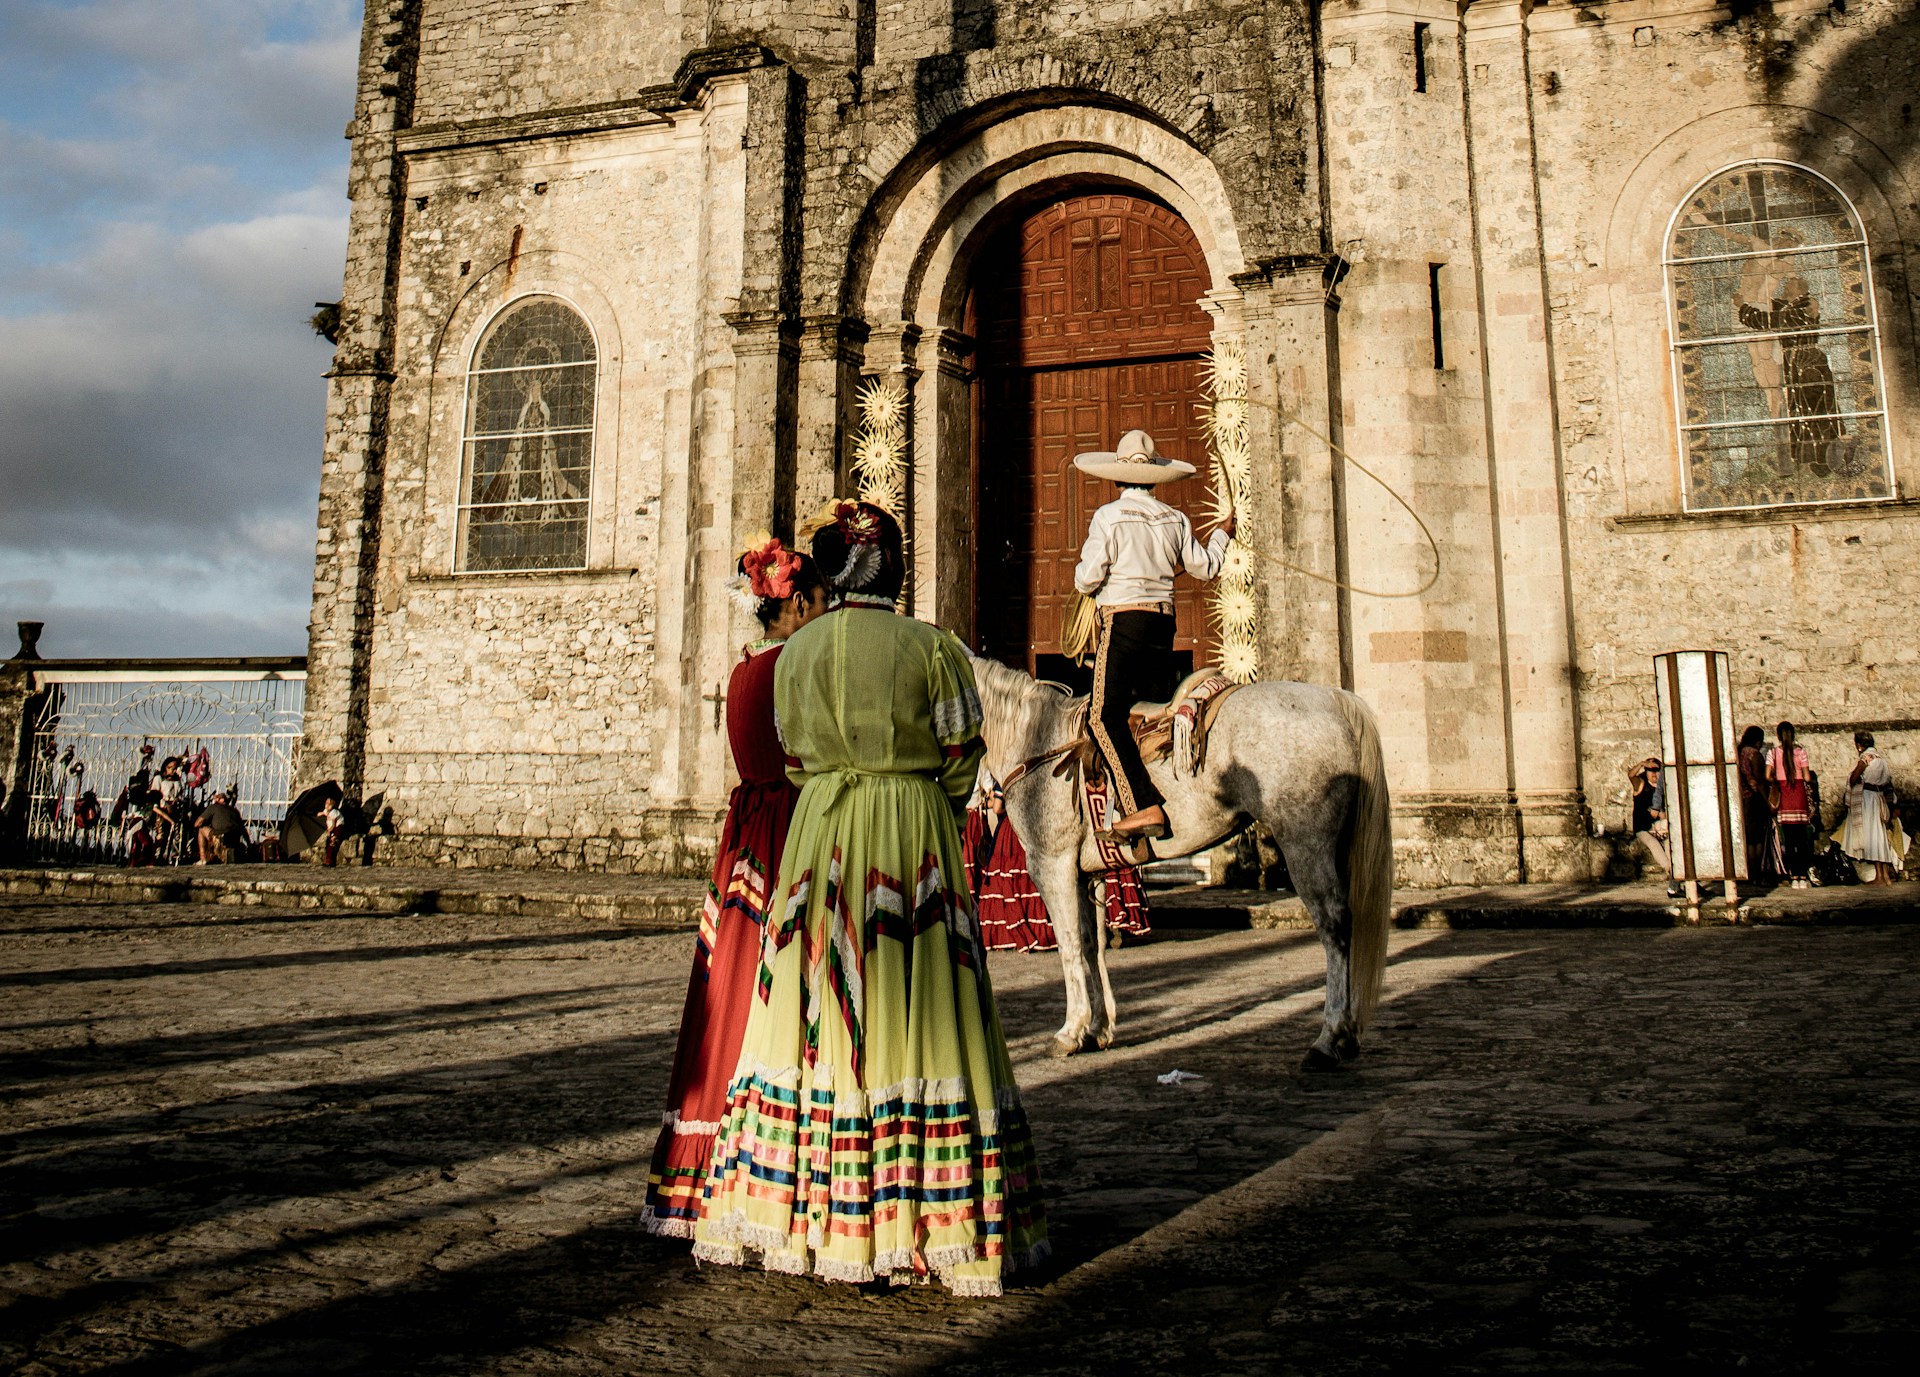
x=1148 y=822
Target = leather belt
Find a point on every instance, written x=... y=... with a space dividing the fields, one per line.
x=1165 y=608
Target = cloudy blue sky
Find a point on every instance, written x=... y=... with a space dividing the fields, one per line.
x=172 y=203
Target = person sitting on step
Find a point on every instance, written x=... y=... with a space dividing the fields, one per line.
x=1136 y=546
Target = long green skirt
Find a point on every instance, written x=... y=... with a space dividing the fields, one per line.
x=873 y=1127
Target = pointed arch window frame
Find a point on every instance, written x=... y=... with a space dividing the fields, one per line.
x=464 y=504
x=1669 y=261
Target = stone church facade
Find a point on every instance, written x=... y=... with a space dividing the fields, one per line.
x=1619 y=296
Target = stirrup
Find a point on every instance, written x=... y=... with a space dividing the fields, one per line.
x=1153 y=831
x=1138 y=846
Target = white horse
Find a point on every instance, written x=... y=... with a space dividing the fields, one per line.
x=1303 y=759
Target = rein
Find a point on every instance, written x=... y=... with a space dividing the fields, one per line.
x=1032 y=763
x=1026 y=767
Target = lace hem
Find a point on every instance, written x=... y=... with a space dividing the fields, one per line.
x=671 y=1122
x=664 y=1226
x=731 y=1239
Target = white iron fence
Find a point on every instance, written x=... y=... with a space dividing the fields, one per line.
x=237 y=730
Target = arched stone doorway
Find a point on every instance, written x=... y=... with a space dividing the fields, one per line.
x=1086 y=312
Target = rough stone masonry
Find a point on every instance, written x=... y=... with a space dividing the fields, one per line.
x=1453 y=239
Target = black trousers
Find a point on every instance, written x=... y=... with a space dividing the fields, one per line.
x=1796 y=848
x=1133 y=664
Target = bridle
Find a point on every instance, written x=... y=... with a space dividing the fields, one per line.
x=1032 y=763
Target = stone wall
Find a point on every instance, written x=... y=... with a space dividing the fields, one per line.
x=1633 y=106
x=753 y=204
x=501 y=58
x=540 y=707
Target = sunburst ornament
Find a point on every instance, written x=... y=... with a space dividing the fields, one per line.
x=1234 y=609
x=883 y=404
x=1235 y=603
x=880 y=446
x=1239 y=661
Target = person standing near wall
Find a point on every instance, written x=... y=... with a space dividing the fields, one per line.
x=874 y=1128
x=1868 y=835
x=783 y=591
x=1755 y=815
x=1789 y=793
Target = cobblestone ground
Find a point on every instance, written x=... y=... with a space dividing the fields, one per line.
x=260 y=1142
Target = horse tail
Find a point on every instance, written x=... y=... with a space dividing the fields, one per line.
x=1369 y=862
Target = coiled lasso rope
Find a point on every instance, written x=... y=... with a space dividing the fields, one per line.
x=1432 y=544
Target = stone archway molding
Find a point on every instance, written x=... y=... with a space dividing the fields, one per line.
x=987 y=78
x=921 y=250
x=1873 y=182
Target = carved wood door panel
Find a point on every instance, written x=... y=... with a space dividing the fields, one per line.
x=1035 y=505
x=1088 y=326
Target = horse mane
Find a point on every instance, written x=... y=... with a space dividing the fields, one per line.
x=1014 y=704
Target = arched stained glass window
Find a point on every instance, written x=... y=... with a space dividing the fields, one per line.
x=1775 y=347
x=529 y=442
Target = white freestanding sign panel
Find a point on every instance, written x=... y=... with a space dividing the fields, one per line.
x=1707 y=837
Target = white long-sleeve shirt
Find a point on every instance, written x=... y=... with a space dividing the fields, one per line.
x=1136 y=544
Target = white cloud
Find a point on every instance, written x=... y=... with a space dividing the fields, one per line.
x=171 y=205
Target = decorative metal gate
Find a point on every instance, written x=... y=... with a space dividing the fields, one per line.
x=236 y=730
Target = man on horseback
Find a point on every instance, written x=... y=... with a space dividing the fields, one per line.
x=1136 y=545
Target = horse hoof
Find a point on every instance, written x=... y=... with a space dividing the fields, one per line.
x=1316 y=1061
x=1065 y=1047
x=1105 y=1040
x=1346 y=1047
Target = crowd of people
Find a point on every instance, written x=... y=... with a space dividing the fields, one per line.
x=165 y=814
x=1786 y=835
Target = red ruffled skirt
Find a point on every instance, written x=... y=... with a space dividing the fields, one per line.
x=1126 y=901
x=719 y=995
x=1013 y=916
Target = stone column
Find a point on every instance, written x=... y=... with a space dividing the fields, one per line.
x=741 y=472
x=1295 y=508
x=831 y=354
x=16 y=739
x=944 y=483
x=1523 y=431
x=767 y=354
x=1430 y=661
x=340 y=633
x=893 y=351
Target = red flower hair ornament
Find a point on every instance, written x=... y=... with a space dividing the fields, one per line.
x=766 y=571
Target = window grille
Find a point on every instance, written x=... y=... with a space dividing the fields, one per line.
x=1775 y=343
x=528 y=461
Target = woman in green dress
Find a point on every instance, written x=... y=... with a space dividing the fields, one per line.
x=873 y=1128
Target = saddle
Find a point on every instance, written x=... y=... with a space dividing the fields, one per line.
x=1177 y=730
x=1179 y=726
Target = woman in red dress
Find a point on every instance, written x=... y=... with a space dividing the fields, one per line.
x=1013 y=916
x=784 y=591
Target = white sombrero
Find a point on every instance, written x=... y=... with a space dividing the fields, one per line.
x=1136 y=461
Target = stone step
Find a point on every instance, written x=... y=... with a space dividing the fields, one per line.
x=645 y=903
x=660 y=904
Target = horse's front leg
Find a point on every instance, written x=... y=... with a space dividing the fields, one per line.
x=1089 y=1012
x=1093 y=936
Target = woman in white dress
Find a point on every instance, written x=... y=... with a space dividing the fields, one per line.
x=1869 y=815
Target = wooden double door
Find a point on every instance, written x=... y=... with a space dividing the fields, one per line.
x=1035 y=505
x=1088 y=325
